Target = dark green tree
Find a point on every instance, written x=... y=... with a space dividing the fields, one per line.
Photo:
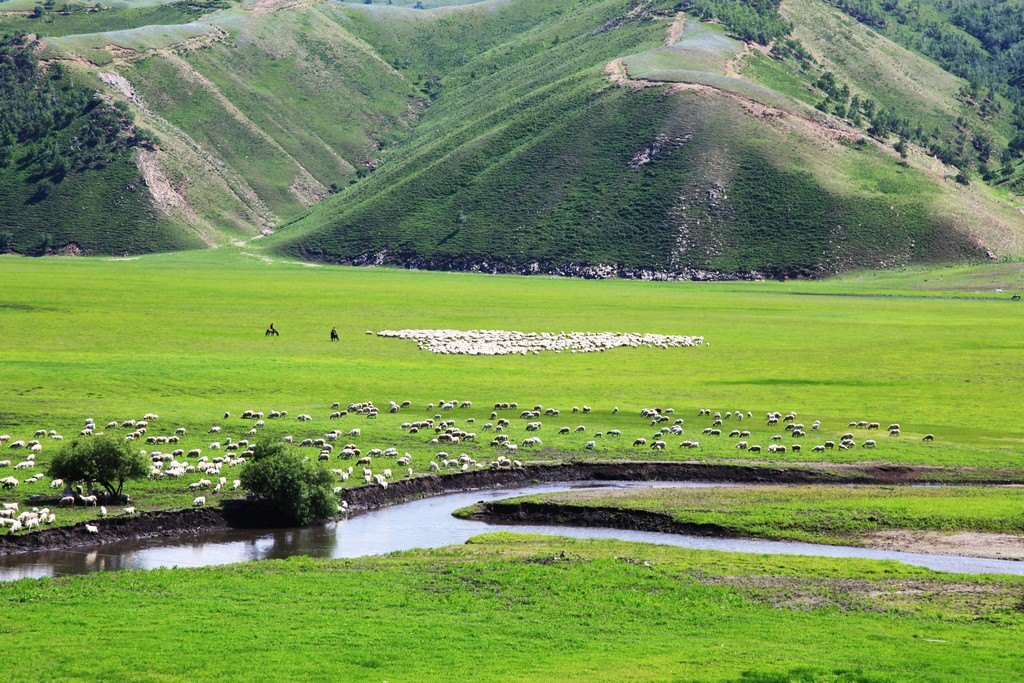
x=105 y=460
x=297 y=488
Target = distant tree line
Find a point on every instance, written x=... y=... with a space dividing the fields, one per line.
x=758 y=21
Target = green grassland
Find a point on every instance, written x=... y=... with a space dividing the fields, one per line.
x=182 y=336
x=509 y=606
x=820 y=514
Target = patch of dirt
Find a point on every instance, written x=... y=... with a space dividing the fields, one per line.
x=881 y=595
x=70 y=249
x=265 y=259
x=675 y=29
x=961 y=543
x=119 y=51
x=662 y=147
x=168 y=200
x=732 y=66
x=640 y=10
x=123 y=86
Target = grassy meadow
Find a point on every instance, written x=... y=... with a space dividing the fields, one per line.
x=519 y=607
x=181 y=335
x=844 y=515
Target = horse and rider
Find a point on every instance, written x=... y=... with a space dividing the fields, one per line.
x=272 y=332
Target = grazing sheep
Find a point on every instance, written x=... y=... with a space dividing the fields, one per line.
x=870 y=443
x=640 y=442
x=199 y=502
x=92 y=528
x=66 y=501
x=128 y=511
x=928 y=437
x=89 y=500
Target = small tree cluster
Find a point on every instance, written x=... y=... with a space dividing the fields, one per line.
x=296 y=487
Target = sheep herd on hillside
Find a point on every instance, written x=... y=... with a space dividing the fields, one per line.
x=510 y=342
x=447 y=429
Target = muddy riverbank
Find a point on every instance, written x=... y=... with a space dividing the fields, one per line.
x=240 y=513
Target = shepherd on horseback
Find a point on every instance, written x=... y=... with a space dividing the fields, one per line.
x=271 y=331
x=334 y=334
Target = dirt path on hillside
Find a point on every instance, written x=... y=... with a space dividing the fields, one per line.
x=168 y=197
x=732 y=66
x=675 y=29
x=832 y=132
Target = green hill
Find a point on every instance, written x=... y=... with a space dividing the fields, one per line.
x=706 y=157
x=644 y=138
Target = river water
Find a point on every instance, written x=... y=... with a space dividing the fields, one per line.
x=424 y=523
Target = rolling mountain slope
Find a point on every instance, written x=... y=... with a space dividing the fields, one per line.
x=594 y=138
x=570 y=158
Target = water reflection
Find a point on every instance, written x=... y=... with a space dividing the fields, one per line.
x=425 y=523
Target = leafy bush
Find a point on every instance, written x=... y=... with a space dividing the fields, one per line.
x=295 y=486
x=103 y=459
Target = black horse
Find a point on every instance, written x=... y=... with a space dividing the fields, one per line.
x=271 y=331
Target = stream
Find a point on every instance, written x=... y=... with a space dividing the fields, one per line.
x=424 y=523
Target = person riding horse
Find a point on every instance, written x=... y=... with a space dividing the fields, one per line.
x=334 y=334
x=271 y=331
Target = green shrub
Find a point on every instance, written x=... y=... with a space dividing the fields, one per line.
x=292 y=484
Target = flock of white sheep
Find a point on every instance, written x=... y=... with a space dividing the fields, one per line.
x=510 y=342
x=379 y=465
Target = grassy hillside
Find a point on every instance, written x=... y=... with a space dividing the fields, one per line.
x=551 y=166
x=67 y=177
x=533 y=136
